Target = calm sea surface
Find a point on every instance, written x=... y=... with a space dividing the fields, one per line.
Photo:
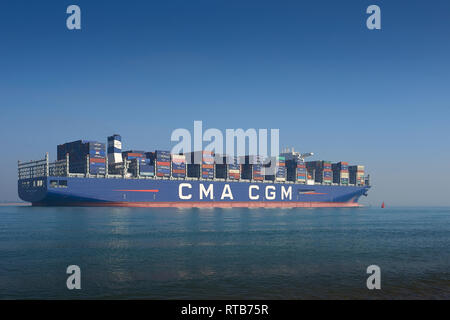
x=138 y=253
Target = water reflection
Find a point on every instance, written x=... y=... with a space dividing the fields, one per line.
x=224 y=253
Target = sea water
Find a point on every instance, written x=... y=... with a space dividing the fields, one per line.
x=169 y=253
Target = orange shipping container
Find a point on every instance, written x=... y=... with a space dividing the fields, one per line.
x=132 y=154
x=163 y=163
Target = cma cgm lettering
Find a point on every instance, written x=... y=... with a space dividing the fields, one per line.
x=213 y=191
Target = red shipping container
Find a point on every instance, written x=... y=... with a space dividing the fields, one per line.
x=132 y=154
x=97 y=160
x=163 y=163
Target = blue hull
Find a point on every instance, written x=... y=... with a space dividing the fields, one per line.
x=71 y=191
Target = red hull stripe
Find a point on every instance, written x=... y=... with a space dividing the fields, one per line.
x=313 y=193
x=214 y=204
x=151 y=190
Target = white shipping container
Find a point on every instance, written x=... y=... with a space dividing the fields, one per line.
x=115 y=157
x=179 y=157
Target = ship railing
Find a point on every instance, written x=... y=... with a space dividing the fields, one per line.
x=41 y=168
x=32 y=169
x=58 y=169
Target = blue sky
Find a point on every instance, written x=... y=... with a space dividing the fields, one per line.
x=312 y=69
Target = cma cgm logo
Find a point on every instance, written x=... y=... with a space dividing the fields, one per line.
x=254 y=192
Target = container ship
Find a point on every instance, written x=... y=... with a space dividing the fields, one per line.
x=91 y=173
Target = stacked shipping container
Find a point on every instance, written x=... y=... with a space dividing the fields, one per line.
x=161 y=159
x=296 y=170
x=97 y=157
x=141 y=167
x=310 y=175
x=340 y=173
x=78 y=152
x=276 y=169
x=114 y=149
x=178 y=166
x=252 y=168
x=163 y=164
x=258 y=169
x=133 y=154
x=200 y=164
x=193 y=161
x=233 y=168
x=280 y=174
x=147 y=169
x=221 y=168
x=322 y=170
x=301 y=171
x=356 y=174
x=207 y=165
x=139 y=163
x=327 y=173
